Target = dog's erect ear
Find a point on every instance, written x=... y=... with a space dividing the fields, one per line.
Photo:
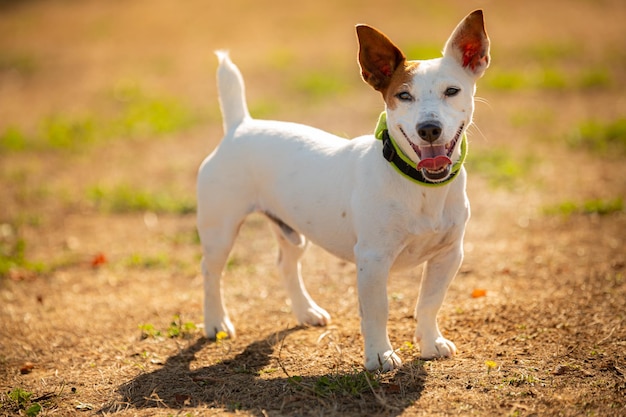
x=378 y=57
x=469 y=44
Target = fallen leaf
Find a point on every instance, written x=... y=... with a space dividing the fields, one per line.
x=98 y=260
x=393 y=388
x=182 y=399
x=20 y=274
x=478 y=292
x=27 y=368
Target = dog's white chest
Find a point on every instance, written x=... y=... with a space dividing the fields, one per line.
x=429 y=236
x=424 y=247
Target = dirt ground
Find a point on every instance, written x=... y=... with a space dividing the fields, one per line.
x=100 y=290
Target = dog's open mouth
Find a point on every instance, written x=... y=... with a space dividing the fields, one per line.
x=435 y=160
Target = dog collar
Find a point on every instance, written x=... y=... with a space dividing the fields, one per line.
x=404 y=165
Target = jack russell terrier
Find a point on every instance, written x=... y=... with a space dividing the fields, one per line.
x=387 y=201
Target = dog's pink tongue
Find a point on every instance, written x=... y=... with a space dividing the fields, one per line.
x=433 y=158
x=434 y=164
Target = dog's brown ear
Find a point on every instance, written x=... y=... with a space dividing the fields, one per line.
x=469 y=44
x=378 y=57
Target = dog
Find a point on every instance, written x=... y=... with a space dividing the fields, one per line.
x=388 y=201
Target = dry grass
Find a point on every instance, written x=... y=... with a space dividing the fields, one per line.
x=89 y=292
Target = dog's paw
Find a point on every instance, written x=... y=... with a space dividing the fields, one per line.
x=439 y=348
x=384 y=362
x=314 y=315
x=211 y=329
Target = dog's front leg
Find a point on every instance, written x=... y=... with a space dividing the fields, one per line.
x=438 y=273
x=373 y=270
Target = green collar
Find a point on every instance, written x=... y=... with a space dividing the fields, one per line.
x=404 y=165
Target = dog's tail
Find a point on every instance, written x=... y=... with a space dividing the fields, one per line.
x=231 y=92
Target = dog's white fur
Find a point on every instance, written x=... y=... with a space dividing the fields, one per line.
x=343 y=195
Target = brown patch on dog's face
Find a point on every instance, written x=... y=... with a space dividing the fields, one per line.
x=401 y=81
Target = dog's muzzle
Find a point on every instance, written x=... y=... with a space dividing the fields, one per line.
x=436 y=160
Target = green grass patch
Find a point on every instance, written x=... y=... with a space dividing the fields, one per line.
x=501 y=168
x=18 y=63
x=13 y=255
x=125 y=198
x=159 y=261
x=600 y=207
x=281 y=58
x=600 y=137
x=20 y=401
x=137 y=260
x=136 y=114
x=551 y=52
x=62 y=132
x=337 y=385
x=320 y=84
x=515 y=80
x=176 y=329
x=353 y=384
x=180 y=328
x=58 y=132
x=233 y=262
x=548 y=79
x=148 y=331
x=262 y=109
x=506 y=80
x=521 y=379
x=143 y=115
x=422 y=51
x=551 y=79
x=595 y=79
x=538 y=117
x=13 y=139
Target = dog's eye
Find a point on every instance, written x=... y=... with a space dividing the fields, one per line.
x=451 y=91
x=404 y=96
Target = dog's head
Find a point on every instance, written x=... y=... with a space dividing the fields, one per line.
x=429 y=103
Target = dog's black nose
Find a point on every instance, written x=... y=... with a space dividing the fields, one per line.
x=429 y=131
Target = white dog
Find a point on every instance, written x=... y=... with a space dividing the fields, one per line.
x=394 y=200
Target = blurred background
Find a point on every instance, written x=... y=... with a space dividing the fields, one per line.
x=77 y=60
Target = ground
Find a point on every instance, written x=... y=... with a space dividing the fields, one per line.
x=108 y=108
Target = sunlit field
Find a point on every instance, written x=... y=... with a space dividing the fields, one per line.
x=107 y=110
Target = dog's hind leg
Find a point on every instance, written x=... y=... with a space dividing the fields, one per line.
x=216 y=245
x=292 y=246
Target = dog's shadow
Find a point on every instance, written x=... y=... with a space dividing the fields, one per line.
x=235 y=384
